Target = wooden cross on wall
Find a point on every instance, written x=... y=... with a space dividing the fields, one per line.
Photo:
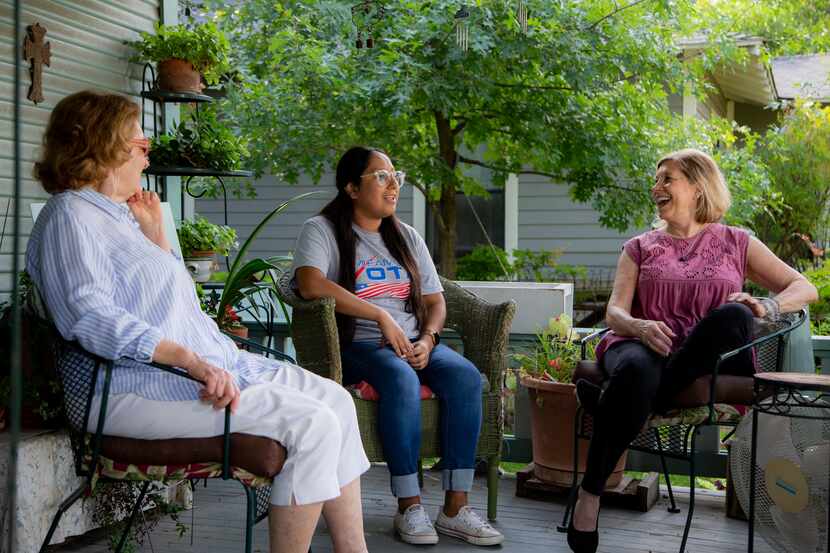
x=36 y=52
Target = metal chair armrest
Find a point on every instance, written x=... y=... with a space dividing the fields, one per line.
x=259 y=347
x=779 y=334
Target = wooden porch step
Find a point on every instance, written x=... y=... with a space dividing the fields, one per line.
x=631 y=493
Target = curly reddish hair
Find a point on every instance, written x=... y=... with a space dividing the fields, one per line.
x=88 y=134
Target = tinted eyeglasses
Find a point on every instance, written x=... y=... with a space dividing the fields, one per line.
x=142 y=144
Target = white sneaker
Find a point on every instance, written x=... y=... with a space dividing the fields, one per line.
x=414 y=526
x=468 y=526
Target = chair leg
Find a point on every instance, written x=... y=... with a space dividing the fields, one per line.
x=574 y=487
x=123 y=541
x=62 y=508
x=672 y=505
x=493 y=486
x=421 y=473
x=691 y=493
x=250 y=518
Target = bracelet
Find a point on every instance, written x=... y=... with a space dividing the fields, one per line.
x=773 y=309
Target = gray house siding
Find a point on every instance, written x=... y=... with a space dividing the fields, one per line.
x=549 y=219
x=280 y=236
x=87 y=51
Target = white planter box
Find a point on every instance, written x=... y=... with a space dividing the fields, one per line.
x=536 y=301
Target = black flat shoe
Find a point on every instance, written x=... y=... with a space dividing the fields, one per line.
x=582 y=542
x=588 y=395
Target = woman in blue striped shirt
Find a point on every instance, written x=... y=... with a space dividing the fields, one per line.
x=101 y=261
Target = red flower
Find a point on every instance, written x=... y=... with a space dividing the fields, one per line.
x=231 y=315
x=555 y=363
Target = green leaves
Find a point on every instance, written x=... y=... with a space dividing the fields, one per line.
x=204 y=46
x=583 y=105
x=199 y=140
x=202 y=235
x=245 y=278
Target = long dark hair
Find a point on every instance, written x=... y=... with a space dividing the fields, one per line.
x=340 y=212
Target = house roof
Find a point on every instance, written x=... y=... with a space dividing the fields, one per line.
x=751 y=82
x=807 y=76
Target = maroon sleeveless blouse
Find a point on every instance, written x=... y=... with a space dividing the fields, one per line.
x=682 y=279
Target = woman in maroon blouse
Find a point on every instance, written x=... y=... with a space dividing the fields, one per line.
x=676 y=305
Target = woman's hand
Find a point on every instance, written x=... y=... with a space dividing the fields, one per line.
x=421 y=350
x=655 y=334
x=146 y=208
x=756 y=306
x=394 y=336
x=220 y=386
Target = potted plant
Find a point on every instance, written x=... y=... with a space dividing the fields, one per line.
x=546 y=370
x=184 y=56
x=200 y=240
x=199 y=141
x=256 y=275
x=42 y=397
x=231 y=322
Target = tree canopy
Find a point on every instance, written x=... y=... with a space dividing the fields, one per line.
x=789 y=27
x=579 y=97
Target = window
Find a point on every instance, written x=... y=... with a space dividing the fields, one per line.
x=468 y=231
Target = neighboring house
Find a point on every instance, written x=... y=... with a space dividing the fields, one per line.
x=531 y=212
x=87 y=51
x=805 y=76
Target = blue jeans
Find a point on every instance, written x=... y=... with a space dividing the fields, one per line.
x=457 y=384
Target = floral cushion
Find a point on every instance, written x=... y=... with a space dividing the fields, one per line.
x=364 y=390
x=163 y=473
x=724 y=414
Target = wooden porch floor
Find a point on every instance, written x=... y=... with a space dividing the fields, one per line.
x=529 y=525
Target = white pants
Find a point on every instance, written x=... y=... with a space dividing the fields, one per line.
x=312 y=417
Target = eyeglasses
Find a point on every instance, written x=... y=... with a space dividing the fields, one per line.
x=141 y=143
x=384 y=177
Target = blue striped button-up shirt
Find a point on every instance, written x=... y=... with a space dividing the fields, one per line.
x=118 y=294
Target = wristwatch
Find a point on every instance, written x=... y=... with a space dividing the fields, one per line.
x=436 y=337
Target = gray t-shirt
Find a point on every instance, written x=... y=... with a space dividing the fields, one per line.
x=379 y=278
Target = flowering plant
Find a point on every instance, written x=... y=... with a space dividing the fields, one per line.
x=555 y=354
x=230 y=319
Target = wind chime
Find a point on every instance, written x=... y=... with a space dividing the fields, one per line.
x=462 y=28
x=521 y=16
x=365 y=15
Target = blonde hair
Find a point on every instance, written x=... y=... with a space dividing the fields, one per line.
x=88 y=134
x=702 y=171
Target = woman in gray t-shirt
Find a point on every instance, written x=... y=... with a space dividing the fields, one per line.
x=390 y=310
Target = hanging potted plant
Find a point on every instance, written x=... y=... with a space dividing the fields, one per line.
x=200 y=241
x=547 y=373
x=184 y=56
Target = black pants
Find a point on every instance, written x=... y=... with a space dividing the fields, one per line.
x=641 y=382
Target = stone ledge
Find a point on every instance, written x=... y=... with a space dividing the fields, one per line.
x=45 y=477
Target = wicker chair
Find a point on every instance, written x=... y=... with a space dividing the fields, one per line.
x=484 y=330
x=673 y=434
x=251 y=460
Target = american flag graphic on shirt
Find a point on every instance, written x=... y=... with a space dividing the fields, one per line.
x=377 y=277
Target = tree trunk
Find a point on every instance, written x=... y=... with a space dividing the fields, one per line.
x=446 y=227
x=446 y=232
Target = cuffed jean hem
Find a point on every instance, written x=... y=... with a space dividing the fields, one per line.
x=457 y=480
x=406 y=485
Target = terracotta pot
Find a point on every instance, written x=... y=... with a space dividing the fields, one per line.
x=178 y=75
x=241 y=331
x=552 y=412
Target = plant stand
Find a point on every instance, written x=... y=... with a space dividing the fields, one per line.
x=631 y=493
x=149 y=92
